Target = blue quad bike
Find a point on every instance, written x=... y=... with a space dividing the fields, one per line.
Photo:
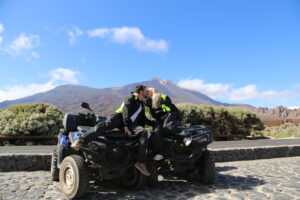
x=112 y=156
x=109 y=157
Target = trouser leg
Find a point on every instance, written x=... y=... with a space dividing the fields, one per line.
x=143 y=143
x=156 y=141
x=116 y=121
x=170 y=123
x=158 y=128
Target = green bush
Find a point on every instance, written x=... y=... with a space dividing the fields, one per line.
x=30 y=143
x=30 y=119
x=222 y=120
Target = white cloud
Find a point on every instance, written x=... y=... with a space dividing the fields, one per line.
x=57 y=77
x=35 y=54
x=73 y=35
x=99 y=32
x=293 y=107
x=132 y=36
x=213 y=90
x=228 y=92
x=246 y=92
x=20 y=91
x=64 y=75
x=23 y=44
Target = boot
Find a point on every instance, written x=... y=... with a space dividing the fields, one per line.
x=142 y=168
x=76 y=145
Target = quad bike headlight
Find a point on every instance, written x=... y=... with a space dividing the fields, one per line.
x=187 y=140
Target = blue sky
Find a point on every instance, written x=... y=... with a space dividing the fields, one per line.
x=233 y=51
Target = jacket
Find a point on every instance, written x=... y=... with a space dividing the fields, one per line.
x=165 y=106
x=129 y=109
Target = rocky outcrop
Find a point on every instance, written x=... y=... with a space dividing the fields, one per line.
x=278 y=112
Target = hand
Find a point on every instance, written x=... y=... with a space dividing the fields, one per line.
x=127 y=131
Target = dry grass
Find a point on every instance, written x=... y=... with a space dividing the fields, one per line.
x=283 y=131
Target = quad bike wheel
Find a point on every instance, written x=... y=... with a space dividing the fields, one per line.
x=206 y=168
x=133 y=179
x=73 y=176
x=54 y=168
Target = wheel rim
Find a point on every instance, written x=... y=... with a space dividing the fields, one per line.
x=69 y=178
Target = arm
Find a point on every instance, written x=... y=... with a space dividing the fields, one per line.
x=173 y=108
x=125 y=113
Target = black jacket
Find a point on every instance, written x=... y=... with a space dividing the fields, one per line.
x=131 y=105
x=159 y=113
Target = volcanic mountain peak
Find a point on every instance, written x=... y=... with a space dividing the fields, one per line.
x=105 y=101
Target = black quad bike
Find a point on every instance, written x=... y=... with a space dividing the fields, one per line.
x=109 y=157
x=187 y=152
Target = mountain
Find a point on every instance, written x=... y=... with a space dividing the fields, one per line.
x=246 y=106
x=105 y=101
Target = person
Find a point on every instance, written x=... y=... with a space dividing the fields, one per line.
x=130 y=117
x=164 y=111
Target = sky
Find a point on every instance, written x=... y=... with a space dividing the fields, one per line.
x=233 y=51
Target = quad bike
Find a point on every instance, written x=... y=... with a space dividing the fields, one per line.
x=109 y=157
x=187 y=152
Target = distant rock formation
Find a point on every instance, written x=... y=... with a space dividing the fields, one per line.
x=278 y=112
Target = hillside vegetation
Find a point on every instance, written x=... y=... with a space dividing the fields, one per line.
x=222 y=120
x=30 y=119
x=46 y=119
x=283 y=131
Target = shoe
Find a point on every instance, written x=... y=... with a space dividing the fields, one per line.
x=76 y=145
x=158 y=157
x=142 y=168
x=182 y=133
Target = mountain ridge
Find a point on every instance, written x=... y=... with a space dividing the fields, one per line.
x=104 y=101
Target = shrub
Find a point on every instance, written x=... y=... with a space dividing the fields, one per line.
x=30 y=143
x=281 y=135
x=283 y=131
x=30 y=119
x=222 y=120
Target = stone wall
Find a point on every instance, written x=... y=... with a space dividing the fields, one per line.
x=24 y=162
x=228 y=155
x=33 y=162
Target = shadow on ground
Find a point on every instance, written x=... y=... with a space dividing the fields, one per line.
x=175 y=185
x=225 y=168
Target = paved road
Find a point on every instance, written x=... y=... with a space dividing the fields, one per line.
x=214 y=145
x=276 y=179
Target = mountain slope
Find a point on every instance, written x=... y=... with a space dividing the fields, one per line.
x=105 y=101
